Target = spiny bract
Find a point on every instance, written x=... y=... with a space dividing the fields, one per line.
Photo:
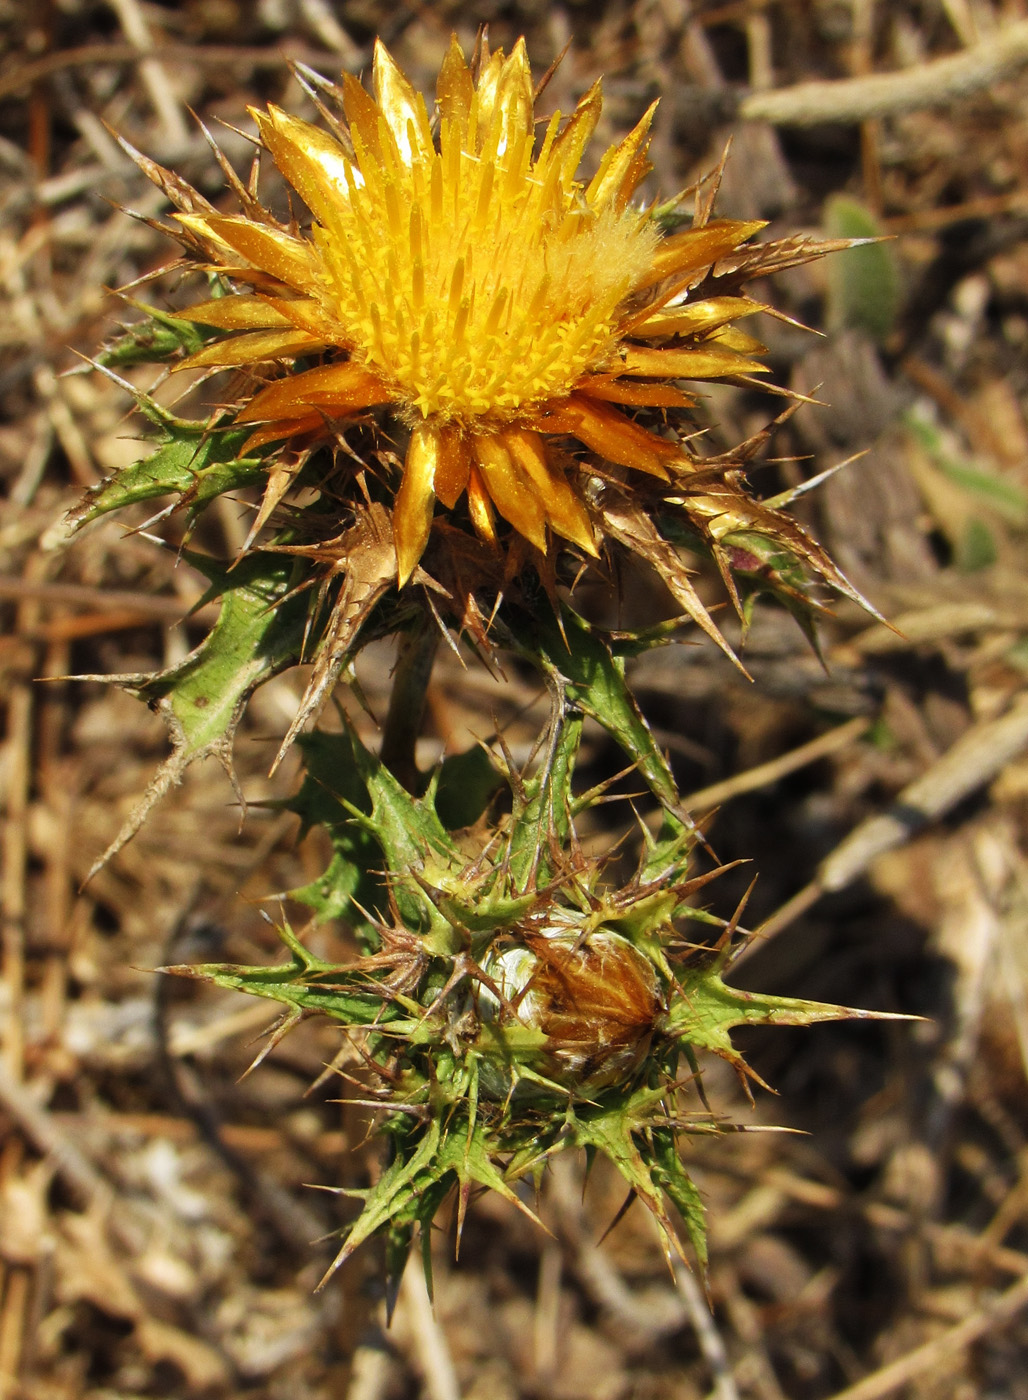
x=513 y=1005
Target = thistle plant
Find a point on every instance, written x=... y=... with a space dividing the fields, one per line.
x=457 y=380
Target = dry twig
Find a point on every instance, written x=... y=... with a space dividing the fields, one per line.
x=974 y=760
x=936 y=84
x=906 y=1369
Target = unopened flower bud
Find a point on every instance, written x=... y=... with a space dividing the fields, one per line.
x=595 y=997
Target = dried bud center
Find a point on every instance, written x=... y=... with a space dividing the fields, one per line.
x=594 y=998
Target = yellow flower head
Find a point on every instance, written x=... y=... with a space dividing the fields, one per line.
x=475 y=284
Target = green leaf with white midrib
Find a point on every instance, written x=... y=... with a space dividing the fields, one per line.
x=195 y=463
x=257 y=633
x=593 y=679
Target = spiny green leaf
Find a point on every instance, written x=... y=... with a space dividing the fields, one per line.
x=765 y=560
x=666 y=856
x=195 y=463
x=406 y=827
x=624 y=1139
x=258 y=633
x=417 y=849
x=541 y=817
x=293 y=984
x=669 y=1172
x=331 y=787
x=481 y=910
x=158 y=338
x=594 y=681
x=430 y=1159
x=470 y=1156
x=765 y=567
x=708 y=1010
x=397 y=1195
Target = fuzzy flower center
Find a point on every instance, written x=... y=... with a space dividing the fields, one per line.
x=480 y=284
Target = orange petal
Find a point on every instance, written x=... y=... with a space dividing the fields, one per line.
x=480 y=507
x=402 y=107
x=312 y=161
x=564 y=512
x=452 y=467
x=513 y=103
x=570 y=145
x=620 y=169
x=698 y=248
x=637 y=395
x=687 y=364
x=337 y=388
x=694 y=317
x=510 y=487
x=236 y=313
x=308 y=316
x=275 y=432
x=455 y=90
x=251 y=348
x=363 y=116
x=412 y=514
x=612 y=435
x=286 y=258
x=734 y=339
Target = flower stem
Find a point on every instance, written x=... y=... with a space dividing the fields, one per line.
x=413 y=672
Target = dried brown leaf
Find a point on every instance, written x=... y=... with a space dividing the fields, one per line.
x=367 y=558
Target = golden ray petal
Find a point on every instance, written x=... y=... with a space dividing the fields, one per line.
x=236 y=313
x=698 y=248
x=452 y=467
x=688 y=364
x=612 y=435
x=336 y=388
x=569 y=146
x=309 y=316
x=486 y=88
x=480 y=507
x=402 y=107
x=200 y=237
x=313 y=162
x=510 y=488
x=612 y=390
x=364 y=118
x=513 y=104
x=734 y=339
x=251 y=348
x=455 y=89
x=620 y=170
x=412 y=515
x=284 y=428
x=564 y=512
x=287 y=258
x=694 y=317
